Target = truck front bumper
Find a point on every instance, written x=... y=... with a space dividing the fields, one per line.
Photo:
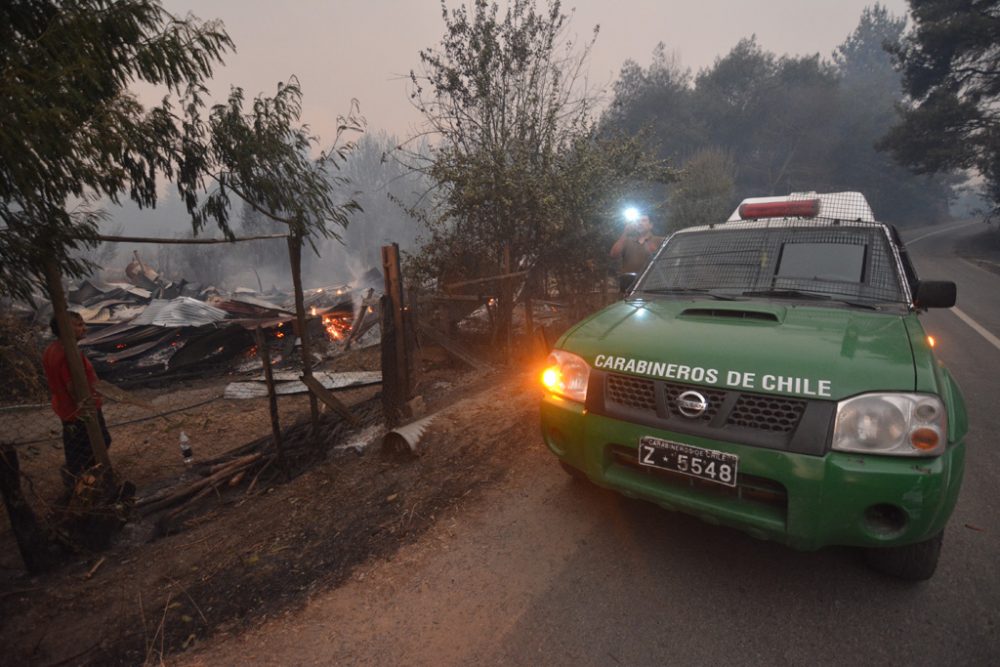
x=806 y=502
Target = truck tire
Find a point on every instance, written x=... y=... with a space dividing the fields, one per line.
x=913 y=562
x=577 y=474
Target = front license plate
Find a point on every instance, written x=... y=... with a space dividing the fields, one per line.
x=707 y=464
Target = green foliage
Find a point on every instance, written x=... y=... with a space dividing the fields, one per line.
x=657 y=100
x=950 y=64
x=773 y=115
x=704 y=193
x=519 y=162
x=72 y=133
x=263 y=157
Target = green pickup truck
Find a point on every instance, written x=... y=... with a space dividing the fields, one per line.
x=770 y=373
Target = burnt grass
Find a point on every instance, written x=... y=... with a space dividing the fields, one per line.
x=237 y=558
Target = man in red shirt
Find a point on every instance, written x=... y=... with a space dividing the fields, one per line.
x=76 y=443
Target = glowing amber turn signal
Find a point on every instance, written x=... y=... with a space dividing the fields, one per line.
x=931 y=342
x=924 y=439
x=550 y=378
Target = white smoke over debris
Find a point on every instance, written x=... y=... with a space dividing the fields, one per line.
x=379 y=183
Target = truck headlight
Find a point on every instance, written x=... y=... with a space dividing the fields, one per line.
x=566 y=375
x=893 y=424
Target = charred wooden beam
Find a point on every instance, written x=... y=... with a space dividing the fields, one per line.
x=325 y=395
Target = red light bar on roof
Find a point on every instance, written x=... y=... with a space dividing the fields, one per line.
x=798 y=208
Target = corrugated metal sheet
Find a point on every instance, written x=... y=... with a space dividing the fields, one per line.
x=180 y=312
x=332 y=381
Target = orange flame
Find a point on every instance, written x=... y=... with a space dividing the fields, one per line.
x=337 y=327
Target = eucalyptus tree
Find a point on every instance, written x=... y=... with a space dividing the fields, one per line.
x=73 y=134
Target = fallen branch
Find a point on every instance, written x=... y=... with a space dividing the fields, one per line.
x=191 y=501
x=257 y=476
x=249 y=458
x=209 y=481
x=94 y=569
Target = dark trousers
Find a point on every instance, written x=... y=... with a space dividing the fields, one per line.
x=76 y=447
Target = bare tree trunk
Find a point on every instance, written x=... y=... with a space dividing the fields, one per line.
x=295 y=259
x=78 y=375
x=505 y=313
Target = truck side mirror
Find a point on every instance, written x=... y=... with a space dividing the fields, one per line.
x=625 y=282
x=935 y=294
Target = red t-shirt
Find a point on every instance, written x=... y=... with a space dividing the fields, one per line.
x=60 y=384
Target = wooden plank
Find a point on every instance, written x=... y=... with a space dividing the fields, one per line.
x=323 y=394
x=456 y=297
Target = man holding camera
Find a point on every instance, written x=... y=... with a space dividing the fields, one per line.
x=636 y=245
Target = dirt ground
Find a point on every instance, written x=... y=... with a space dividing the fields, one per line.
x=240 y=558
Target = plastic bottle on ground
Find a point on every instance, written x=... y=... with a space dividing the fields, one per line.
x=186 y=451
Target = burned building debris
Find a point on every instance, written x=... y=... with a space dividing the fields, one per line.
x=150 y=328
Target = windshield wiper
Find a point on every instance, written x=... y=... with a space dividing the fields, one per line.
x=801 y=294
x=689 y=290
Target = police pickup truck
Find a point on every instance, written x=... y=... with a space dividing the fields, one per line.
x=770 y=373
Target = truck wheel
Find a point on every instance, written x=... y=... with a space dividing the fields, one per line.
x=913 y=562
x=575 y=473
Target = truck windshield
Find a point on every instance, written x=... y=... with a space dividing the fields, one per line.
x=851 y=263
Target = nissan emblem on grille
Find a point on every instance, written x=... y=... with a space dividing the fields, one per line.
x=692 y=404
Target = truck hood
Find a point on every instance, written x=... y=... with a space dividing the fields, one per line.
x=755 y=346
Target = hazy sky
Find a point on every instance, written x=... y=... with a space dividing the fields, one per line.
x=343 y=49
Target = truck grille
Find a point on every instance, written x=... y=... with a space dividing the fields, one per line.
x=761 y=420
x=634 y=392
x=769 y=413
x=777 y=414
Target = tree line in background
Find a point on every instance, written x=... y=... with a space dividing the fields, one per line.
x=756 y=124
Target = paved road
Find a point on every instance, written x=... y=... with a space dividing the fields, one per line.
x=549 y=571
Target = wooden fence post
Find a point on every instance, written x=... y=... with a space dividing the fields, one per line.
x=396 y=387
x=272 y=398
